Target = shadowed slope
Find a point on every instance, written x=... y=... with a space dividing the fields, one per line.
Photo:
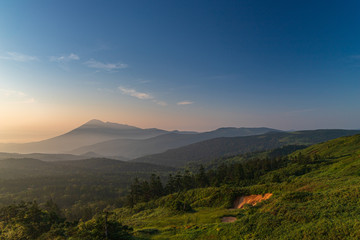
x=211 y=149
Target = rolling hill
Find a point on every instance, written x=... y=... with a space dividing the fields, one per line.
x=211 y=149
x=314 y=195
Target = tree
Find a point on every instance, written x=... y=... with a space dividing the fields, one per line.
x=201 y=178
x=187 y=181
x=101 y=227
x=170 y=186
x=135 y=193
x=156 y=186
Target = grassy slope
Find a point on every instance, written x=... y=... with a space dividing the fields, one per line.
x=318 y=200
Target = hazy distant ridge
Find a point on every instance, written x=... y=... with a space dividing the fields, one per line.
x=131 y=148
x=92 y=132
x=97 y=138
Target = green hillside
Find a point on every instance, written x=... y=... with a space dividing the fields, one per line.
x=339 y=147
x=315 y=196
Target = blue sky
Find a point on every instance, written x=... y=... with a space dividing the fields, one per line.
x=189 y=65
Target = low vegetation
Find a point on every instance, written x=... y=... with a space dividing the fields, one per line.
x=316 y=195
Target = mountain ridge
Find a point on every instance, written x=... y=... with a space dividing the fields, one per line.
x=209 y=150
x=91 y=132
x=133 y=148
x=95 y=138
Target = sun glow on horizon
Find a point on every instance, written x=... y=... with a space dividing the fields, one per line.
x=158 y=69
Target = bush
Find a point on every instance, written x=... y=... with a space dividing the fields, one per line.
x=179 y=206
x=298 y=196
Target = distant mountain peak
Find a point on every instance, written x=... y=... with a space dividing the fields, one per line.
x=98 y=123
x=94 y=122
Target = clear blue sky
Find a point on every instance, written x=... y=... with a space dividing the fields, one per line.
x=189 y=65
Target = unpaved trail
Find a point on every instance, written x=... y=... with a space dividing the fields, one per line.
x=251 y=200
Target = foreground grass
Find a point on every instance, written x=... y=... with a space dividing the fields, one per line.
x=313 y=200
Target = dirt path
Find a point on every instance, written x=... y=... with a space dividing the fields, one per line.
x=251 y=199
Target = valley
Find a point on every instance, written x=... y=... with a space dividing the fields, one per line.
x=208 y=189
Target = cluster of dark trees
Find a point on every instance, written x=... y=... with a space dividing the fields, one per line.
x=304 y=159
x=285 y=150
x=238 y=174
x=29 y=221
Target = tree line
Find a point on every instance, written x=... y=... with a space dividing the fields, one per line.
x=29 y=221
x=237 y=174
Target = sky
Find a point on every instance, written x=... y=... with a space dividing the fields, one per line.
x=186 y=65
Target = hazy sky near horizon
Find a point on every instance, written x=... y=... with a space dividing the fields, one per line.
x=187 y=65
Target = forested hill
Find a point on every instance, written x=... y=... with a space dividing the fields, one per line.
x=211 y=149
x=311 y=194
x=79 y=187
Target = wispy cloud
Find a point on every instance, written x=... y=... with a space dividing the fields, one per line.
x=141 y=95
x=19 y=57
x=134 y=93
x=65 y=58
x=184 y=103
x=11 y=93
x=92 y=63
x=16 y=96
